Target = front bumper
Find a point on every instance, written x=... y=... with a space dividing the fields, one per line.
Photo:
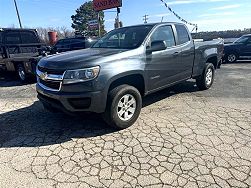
x=73 y=102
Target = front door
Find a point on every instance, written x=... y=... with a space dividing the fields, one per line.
x=163 y=66
x=246 y=48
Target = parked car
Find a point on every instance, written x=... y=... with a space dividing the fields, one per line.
x=125 y=65
x=20 y=50
x=240 y=49
x=69 y=44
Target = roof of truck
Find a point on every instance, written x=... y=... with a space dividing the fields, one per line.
x=247 y=35
x=154 y=24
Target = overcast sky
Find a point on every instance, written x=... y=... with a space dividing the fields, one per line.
x=208 y=14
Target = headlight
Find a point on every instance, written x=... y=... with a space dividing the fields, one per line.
x=81 y=75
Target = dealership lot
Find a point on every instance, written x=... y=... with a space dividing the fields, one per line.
x=184 y=137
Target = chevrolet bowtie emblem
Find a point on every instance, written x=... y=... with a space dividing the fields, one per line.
x=44 y=76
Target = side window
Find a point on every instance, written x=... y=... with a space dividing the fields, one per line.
x=29 y=38
x=67 y=41
x=59 y=42
x=12 y=38
x=249 y=41
x=117 y=37
x=183 y=36
x=0 y=38
x=164 y=33
x=1 y=49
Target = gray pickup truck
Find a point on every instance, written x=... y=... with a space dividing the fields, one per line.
x=128 y=63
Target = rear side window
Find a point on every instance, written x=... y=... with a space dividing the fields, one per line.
x=77 y=41
x=249 y=41
x=183 y=36
x=12 y=38
x=164 y=33
x=60 y=42
x=29 y=38
x=65 y=42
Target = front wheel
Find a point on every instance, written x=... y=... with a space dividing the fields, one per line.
x=231 y=57
x=205 y=81
x=123 y=107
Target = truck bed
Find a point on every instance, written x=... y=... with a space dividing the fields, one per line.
x=203 y=49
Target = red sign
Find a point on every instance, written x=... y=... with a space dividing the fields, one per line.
x=99 y=5
x=93 y=24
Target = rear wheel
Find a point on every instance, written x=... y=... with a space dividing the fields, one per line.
x=205 y=81
x=123 y=107
x=22 y=75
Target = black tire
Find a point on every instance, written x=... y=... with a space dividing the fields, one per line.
x=21 y=73
x=113 y=115
x=231 y=57
x=204 y=82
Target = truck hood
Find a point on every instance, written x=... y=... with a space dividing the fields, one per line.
x=232 y=45
x=79 y=58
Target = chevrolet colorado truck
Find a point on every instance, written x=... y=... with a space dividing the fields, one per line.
x=125 y=65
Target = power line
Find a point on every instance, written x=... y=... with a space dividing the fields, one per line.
x=145 y=18
x=177 y=16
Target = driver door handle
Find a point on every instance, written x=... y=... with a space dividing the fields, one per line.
x=176 y=53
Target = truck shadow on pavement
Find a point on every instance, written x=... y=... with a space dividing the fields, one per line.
x=33 y=126
x=11 y=80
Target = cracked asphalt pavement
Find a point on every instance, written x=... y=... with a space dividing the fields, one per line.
x=183 y=138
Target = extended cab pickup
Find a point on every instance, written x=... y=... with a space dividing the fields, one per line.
x=240 y=49
x=20 y=50
x=126 y=64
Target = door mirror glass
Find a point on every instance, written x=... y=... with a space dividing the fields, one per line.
x=158 y=46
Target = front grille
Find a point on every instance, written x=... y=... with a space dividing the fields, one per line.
x=55 y=85
x=51 y=71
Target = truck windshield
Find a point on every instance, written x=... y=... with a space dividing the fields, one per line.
x=124 y=38
x=242 y=40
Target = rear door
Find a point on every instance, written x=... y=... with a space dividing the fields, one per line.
x=185 y=42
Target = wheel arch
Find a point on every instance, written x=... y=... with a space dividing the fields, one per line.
x=213 y=60
x=135 y=79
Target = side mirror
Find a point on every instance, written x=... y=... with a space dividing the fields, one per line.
x=158 y=46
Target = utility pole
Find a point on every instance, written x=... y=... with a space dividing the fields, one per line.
x=145 y=18
x=118 y=23
x=19 y=19
x=99 y=25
